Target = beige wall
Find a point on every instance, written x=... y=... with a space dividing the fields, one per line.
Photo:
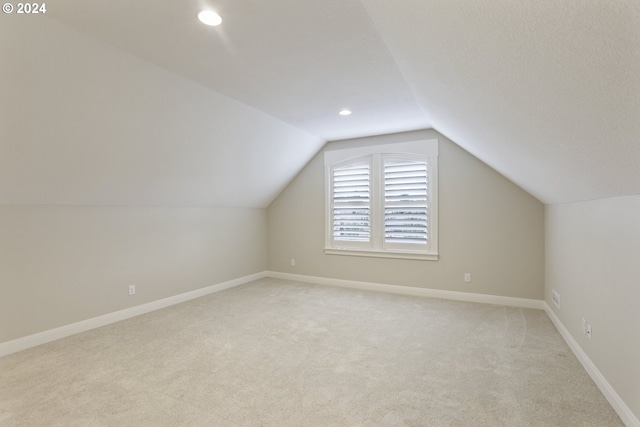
x=60 y=265
x=592 y=251
x=488 y=227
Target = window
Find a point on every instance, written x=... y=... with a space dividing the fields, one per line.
x=382 y=201
x=351 y=207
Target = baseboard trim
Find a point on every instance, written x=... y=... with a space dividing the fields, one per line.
x=44 y=337
x=623 y=411
x=413 y=291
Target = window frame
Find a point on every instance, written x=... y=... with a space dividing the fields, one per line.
x=424 y=150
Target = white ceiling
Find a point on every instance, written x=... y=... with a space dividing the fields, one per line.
x=545 y=91
x=299 y=61
x=84 y=123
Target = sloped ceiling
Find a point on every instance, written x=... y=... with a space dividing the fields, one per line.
x=547 y=92
x=544 y=91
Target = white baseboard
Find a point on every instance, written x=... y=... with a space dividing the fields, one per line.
x=29 y=341
x=623 y=411
x=409 y=290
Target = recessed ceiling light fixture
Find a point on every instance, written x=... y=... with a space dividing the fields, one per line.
x=345 y=112
x=209 y=17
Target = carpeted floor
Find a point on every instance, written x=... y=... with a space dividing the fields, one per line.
x=278 y=353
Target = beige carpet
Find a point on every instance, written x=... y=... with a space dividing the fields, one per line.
x=277 y=353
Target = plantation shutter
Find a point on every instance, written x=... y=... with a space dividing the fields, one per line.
x=351 y=202
x=406 y=202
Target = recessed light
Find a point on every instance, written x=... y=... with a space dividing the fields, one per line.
x=209 y=17
x=345 y=112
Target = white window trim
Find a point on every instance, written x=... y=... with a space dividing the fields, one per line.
x=427 y=148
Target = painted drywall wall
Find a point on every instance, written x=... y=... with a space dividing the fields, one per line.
x=488 y=227
x=64 y=264
x=592 y=252
x=82 y=124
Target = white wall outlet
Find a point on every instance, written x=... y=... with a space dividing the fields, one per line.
x=555 y=297
x=584 y=327
x=132 y=289
x=293 y=262
x=589 y=332
x=467 y=277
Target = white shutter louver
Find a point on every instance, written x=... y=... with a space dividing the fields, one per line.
x=382 y=200
x=351 y=202
x=406 y=202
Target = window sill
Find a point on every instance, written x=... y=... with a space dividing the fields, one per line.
x=381 y=254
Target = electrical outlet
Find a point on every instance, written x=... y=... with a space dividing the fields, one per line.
x=467 y=277
x=555 y=297
x=132 y=289
x=293 y=262
x=589 y=332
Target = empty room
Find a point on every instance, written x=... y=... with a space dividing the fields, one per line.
x=320 y=213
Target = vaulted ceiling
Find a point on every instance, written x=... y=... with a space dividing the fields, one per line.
x=136 y=102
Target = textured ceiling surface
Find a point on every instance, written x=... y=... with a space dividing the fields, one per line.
x=545 y=91
x=299 y=61
x=85 y=123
